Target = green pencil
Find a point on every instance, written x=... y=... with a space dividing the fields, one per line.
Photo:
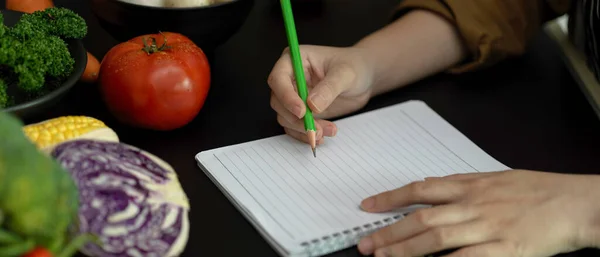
x=290 y=28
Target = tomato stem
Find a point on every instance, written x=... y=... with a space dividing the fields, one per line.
x=153 y=47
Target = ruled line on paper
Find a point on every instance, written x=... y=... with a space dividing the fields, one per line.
x=245 y=186
x=468 y=168
x=307 y=195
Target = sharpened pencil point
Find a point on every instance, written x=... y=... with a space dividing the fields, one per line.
x=312 y=139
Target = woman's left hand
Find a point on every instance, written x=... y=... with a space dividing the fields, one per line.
x=497 y=214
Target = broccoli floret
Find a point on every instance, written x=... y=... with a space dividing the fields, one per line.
x=30 y=26
x=65 y=23
x=33 y=51
x=55 y=21
x=30 y=73
x=25 y=63
x=54 y=55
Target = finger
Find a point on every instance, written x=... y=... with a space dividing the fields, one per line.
x=281 y=83
x=302 y=136
x=466 y=176
x=298 y=125
x=281 y=110
x=416 y=223
x=328 y=89
x=344 y=105
x=323 y=127
x=329 y=128
x=421 y=192
x=441 y=238
x=490 y=249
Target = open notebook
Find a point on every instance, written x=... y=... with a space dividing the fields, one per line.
x=306 y=206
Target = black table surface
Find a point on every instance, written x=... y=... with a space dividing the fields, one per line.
x=527 y=112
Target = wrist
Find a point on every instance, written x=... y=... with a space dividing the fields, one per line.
x=372 y=64
x=588 y=235
x=365 y=66
x=376 y=60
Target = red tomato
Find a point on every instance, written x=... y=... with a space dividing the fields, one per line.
x=149 y=83
x=38 y=252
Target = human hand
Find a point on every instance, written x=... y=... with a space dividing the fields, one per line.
x=497 y=214
x=338 y=82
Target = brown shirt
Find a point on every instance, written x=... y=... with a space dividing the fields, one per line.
x=492 y=30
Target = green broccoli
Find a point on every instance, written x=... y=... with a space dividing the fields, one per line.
x=28 y=27
x=34 y=50
x=54 y=54
x=3 y=27
x=57 y=21
x=65 y=23
x=39 y=200
x=26 y=64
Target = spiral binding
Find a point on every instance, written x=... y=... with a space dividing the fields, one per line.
x=347 y=238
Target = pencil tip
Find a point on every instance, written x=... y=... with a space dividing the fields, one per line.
x=315 y=152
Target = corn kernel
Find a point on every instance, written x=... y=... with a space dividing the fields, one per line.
x=60 y=129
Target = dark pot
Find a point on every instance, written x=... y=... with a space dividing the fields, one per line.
x=208 y=26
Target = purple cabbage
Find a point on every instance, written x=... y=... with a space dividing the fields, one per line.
x=129 y=198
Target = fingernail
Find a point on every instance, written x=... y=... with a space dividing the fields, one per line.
x=318 y=102
x=365 y=246
x=297 y=110
x=329 y=130
x=368 y=203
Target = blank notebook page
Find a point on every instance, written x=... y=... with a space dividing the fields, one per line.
x=297 y=198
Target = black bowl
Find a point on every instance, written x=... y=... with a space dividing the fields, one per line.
x=36 y=106
x=208 y=26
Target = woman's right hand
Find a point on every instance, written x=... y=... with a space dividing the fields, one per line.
x=338 y=80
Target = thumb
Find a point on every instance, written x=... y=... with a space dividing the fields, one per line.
x=336 y=81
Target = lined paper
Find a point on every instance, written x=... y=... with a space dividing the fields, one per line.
x=309 y=196
x=293 y=197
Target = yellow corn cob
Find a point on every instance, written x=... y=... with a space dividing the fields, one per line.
x=49 y=133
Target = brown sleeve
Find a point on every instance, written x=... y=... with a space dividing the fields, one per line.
x=492 y=30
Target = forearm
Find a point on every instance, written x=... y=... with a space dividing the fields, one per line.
x=411 y=48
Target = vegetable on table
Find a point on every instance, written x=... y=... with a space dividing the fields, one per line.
x=29 y=6
x=157 y=81
x=33 y=53
x=92 y=68
x=39 y=200
x=39 y=252
x=130 y=199
x=49 y=133
x=56 y=21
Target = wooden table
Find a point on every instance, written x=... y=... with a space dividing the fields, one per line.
x=526 y=112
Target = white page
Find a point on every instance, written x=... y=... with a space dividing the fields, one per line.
x=296 y=198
